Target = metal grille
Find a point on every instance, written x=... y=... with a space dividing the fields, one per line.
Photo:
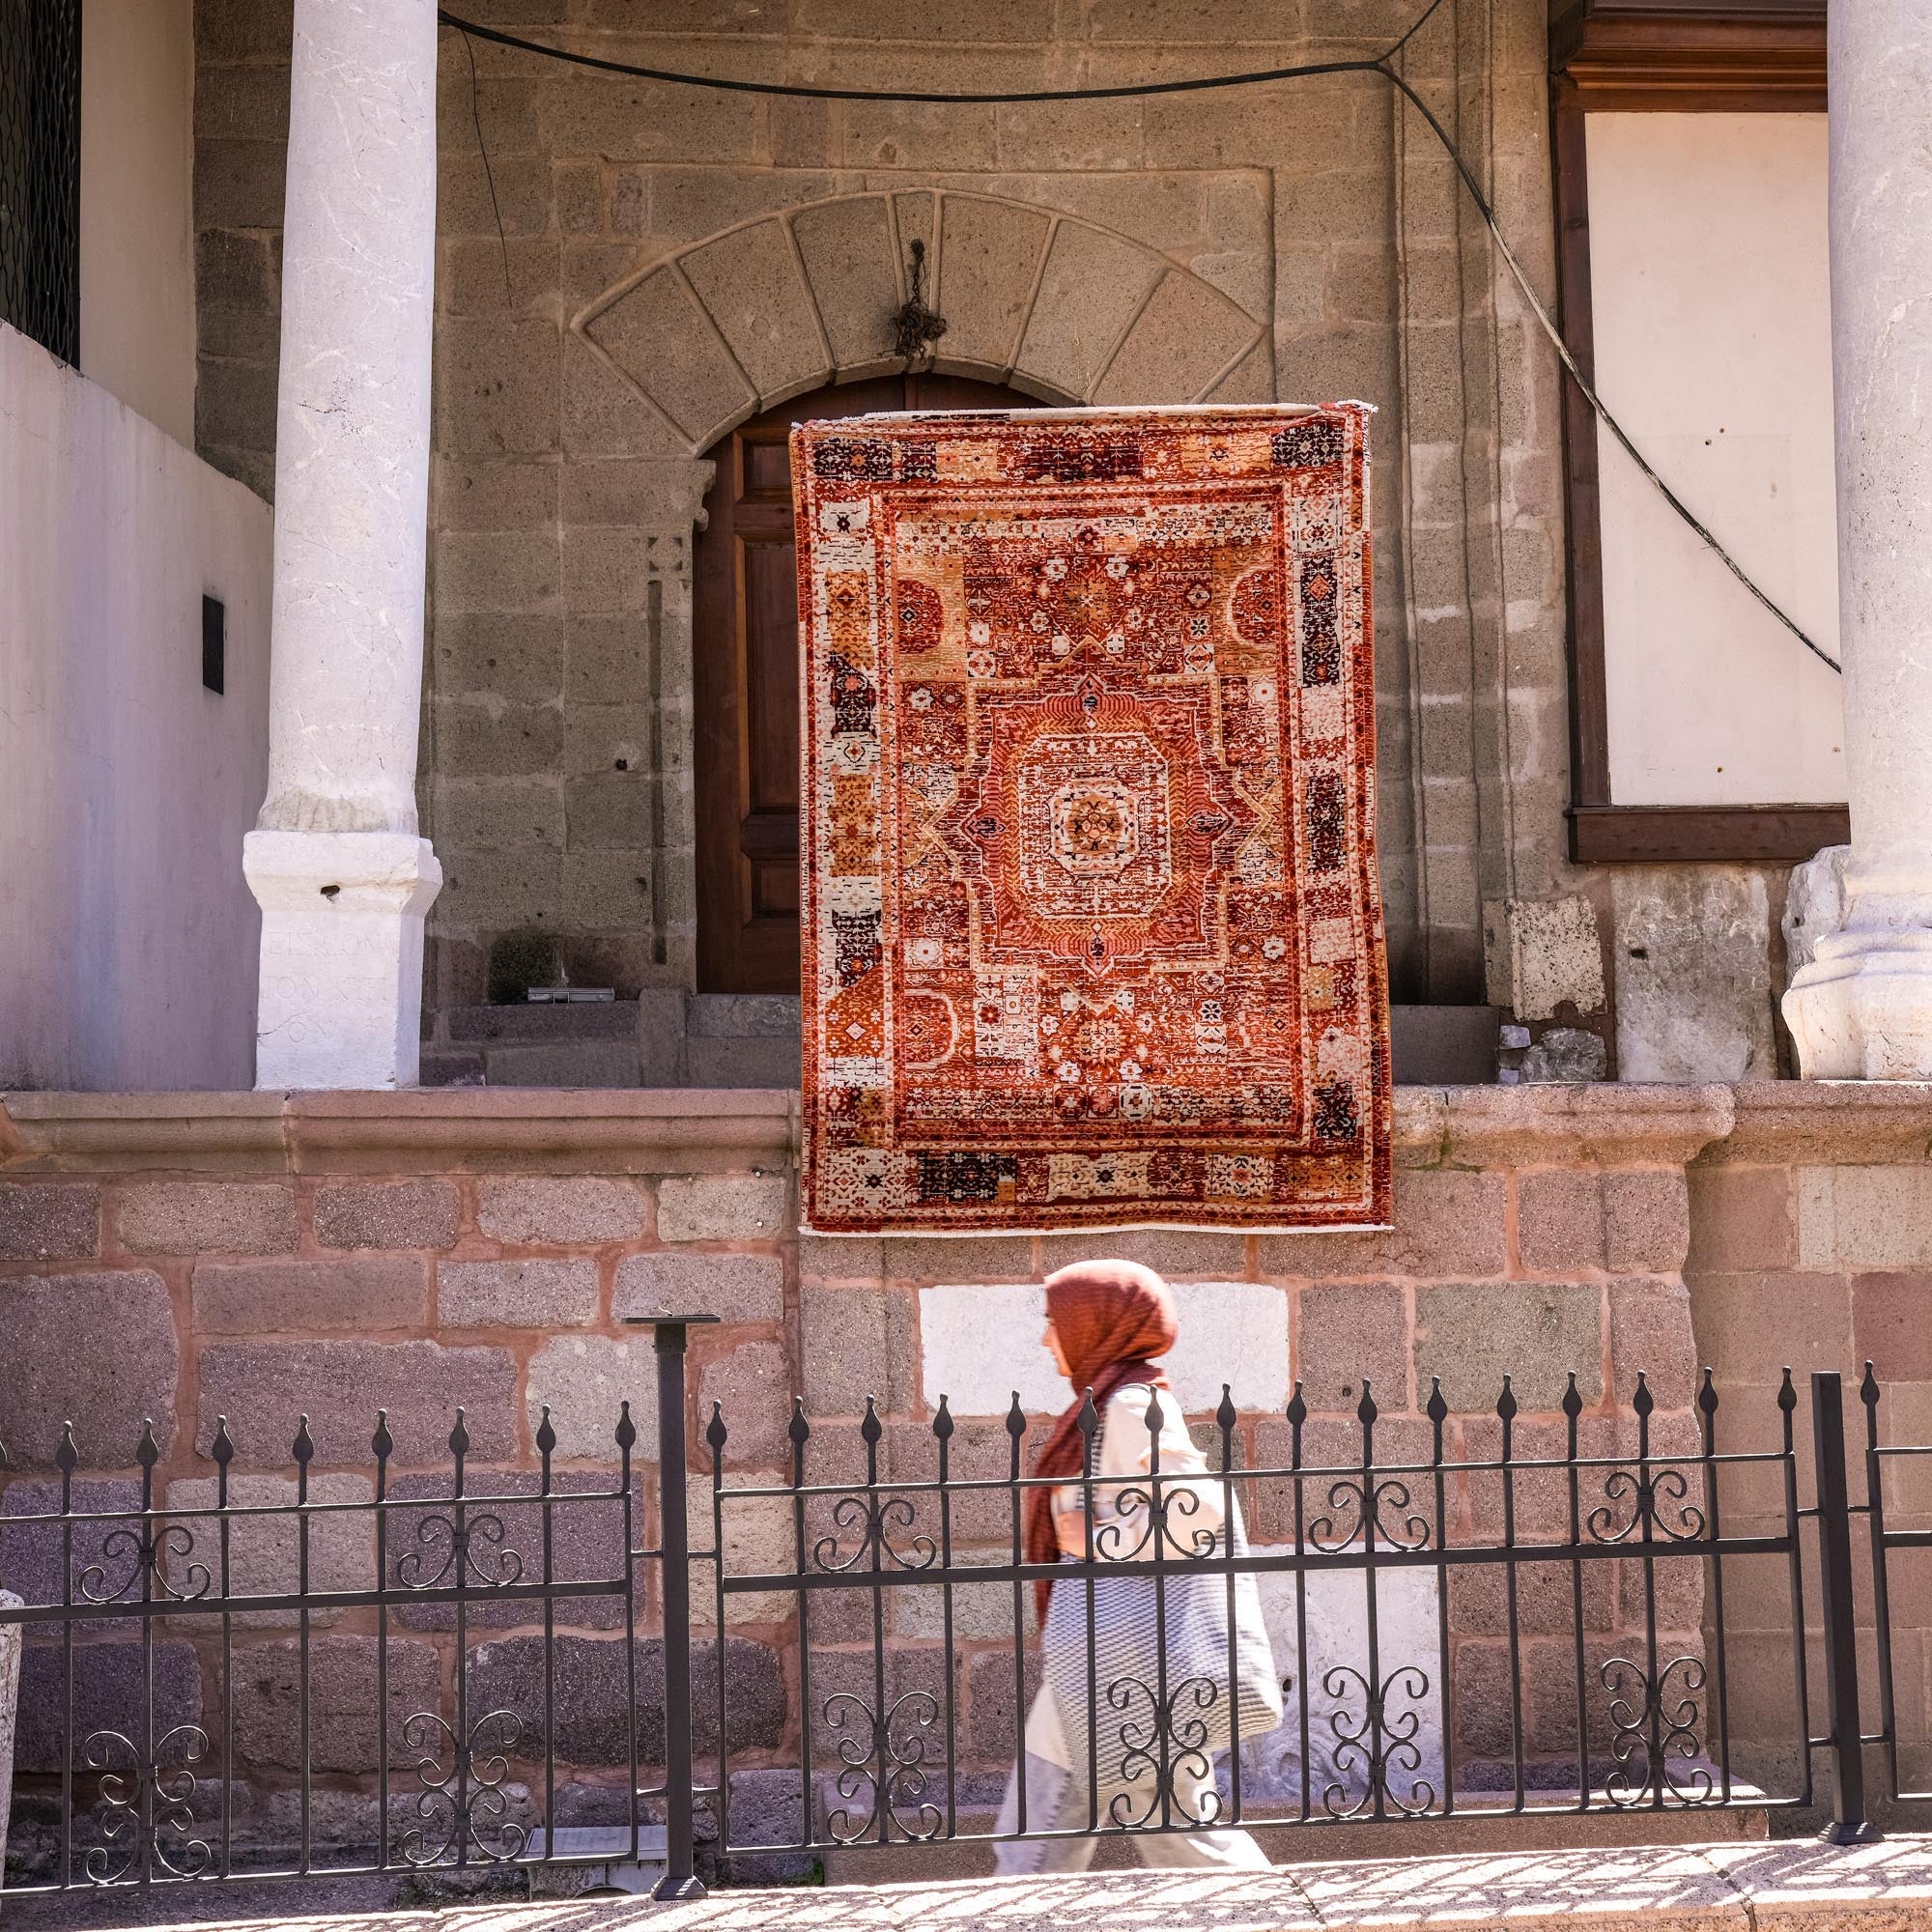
x=40 y=172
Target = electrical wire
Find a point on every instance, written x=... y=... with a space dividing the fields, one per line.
x=1381 y=64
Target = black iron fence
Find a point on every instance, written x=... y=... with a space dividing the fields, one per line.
x=355 y=1671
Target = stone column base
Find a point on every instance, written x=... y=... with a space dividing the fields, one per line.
x=342 y=952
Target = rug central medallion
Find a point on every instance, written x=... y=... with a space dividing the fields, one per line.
x=1089 y=884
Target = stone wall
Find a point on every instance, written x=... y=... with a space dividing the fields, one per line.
x=671 y=262
x=260 y=1257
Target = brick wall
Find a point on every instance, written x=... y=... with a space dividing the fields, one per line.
x=256 y=1258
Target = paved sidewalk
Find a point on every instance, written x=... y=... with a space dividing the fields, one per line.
x=1796 y=1886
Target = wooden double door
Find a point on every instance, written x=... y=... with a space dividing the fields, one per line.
x=746 y=676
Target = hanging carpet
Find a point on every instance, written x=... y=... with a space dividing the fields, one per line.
x=1090 y=925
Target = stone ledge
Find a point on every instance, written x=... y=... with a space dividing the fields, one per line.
x=1790 y=1885
x=1829 y=1123
x=613 y=1131
x=642 y=1130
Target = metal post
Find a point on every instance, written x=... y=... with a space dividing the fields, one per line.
x=680 y=1880
x=1849 y=1824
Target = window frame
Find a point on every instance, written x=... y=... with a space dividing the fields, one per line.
x=1664 y=57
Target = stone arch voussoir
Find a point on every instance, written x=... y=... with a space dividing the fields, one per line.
x=1047 y=302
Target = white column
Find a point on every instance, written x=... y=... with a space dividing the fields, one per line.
x=1861 y=1007
x=342 y=876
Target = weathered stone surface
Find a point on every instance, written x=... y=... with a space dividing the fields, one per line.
x=754 y=1387
x=1646 y=1220
x=1752 y=1324
x=1349 y=1332
x=109 y=1692
x=1864 y=1217
x=1559 y=1220
x=658 y=335
x=498 y=384
x=592 y=1693
x=1650 y=1329
x=988 y=255
x=583 y=1209
x=264 y=1552
x=1168 y=1251
x=584 y=1379
x=995 y=1714
x=749 y=281
x=386 y=1214
x=847 y=247
x=206 y=1218
x=263 y=1387
x=758 y=1532
x=1448 y=1221
x=56 y=1221
x=31 y=1553
x=856 y=1343
x=1540 y=954
x=1891 y=1324
x=722 y=1207
x=347 y=1726
x=1184 y=337
x=519 y=1294
x=283 y=1298
x=1694 y=974
x=1565 y=1054
x=1742 y=1217
x=1092 y=286
x=96 y=1349
x=734 y=1288
x=1473 y=1334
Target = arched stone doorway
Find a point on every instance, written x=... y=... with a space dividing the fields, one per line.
x=745 y=681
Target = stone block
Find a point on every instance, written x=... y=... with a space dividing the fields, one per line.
x=1742 y=1217
x=1448 y=1222
x=206 y=1218
x=489 y=891
x=584 y=1379
x=608 y=891
x=658 y=335
x=1650 y=1329
x=110 y=1693
x=757 y=1542
x=494 y=570
x=517 y=656
x=605 y=568
x=1093 y=284
x=514 y=200
x=754 y=1386
x=750 y=282
x=847 y=249
x=604 y=413
x=43 y=1563
x=1540 y=954
x=917 y=1258
x=1182 y=340
x=265 y=1551
x=587 y=1544
x=386 y=1214
x=575 y=1211
x=856 y=1343
x=1565 y=1054
x=1559 y=1214
x=989 y=252
x=283 y=1298
x=722 y=1207
x=1168 y=1251
x=997 y=1707
x=263 y=1388
x=498 y=817
x=609 y=657
x=1750 y=1325
x=734 y=1288
x=592 y=1696
x=1693 y=972
x=239 y=183
x=498 y=385
x=56 y=1221
x=238 y=272
x=609 y=811
x=1864 y=1217
x=1646 y=1220
x=516 y=1294
x=1891 y=1324
x=96 y=1350
x=348 y=1728
x=920 y=135
x=1473 y=1334
x=479 y=493
x=1346 y=1332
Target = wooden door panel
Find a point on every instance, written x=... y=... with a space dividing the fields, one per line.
x=746 y=676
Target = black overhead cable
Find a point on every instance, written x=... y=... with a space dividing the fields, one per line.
x=1381 y=64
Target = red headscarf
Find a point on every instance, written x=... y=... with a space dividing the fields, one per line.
x=1111 y=1318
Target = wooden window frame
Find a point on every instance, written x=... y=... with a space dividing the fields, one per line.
x=1612 y=55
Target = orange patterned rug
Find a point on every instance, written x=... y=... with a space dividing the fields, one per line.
x=1091 y=923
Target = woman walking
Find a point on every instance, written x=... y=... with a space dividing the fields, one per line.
x=1125 y=1727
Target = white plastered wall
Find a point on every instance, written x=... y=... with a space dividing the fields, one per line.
x=137 y=322
x=1711 y=318
x=127 y=940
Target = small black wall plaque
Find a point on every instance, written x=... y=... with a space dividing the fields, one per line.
x=213 y=643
